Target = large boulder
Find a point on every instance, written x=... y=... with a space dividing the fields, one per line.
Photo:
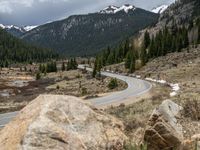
x=62 y=123
x=163 y=130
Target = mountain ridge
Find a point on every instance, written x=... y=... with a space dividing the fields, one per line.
x=17 y=31
x=115 y=9
x=79 y=35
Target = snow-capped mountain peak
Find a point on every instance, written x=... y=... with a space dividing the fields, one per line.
x=16 y=30
x=160 y=9
x=114 y=9
x=109 y=10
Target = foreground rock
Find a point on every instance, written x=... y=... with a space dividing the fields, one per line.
x=62 y=123
x=163 y=131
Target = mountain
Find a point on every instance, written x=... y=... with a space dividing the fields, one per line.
x=15 y=30
x=182 y=12
x=160 y=9
x=14 y=50
x=81 y=35
x=178 y=14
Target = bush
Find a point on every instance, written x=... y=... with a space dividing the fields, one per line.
x=78 y=76
x=83 y=91
x=113 y=84
x=38 y=76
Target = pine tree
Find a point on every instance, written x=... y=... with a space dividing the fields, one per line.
x=40 y=67
x=38 y=76
x=68 y=65
x=75 y=64
x=63 y=66
x=132 y=66
x=128 y=60
x=99 y=66
x=199 y=33
x=94 y=69
x=152 y=49
x=110 y=59
x=146 y=40
x=55 y=67
x=143 y=56
x=126 y=48
x=145 y=45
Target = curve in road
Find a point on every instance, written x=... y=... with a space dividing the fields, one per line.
x=136 y=87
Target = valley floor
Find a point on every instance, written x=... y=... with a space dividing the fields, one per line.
x=18 y=88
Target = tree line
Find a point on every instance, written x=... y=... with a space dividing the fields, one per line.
x=124 y=52
x=166 y=41
x=52 y=66
x=13 y=50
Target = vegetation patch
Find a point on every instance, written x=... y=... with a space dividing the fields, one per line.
x=113 y=83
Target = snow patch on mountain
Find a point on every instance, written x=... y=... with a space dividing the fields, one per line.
x=114 y=9
x=22 y=29
x=160 y=9
x=2 y=26
x=28 y=28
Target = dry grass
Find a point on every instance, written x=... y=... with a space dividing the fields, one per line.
x=182 y=68
x=76 y=83
x=136 y=115
x=79 y=84
x=191 y=109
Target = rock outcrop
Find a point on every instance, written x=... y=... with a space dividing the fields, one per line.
x=163 y=130
x=62 y=123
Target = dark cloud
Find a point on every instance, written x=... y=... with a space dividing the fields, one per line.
x=33 y=12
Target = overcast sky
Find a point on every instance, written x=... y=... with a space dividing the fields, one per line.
x=35 y=12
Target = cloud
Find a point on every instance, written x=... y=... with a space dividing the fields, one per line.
x=53 y=1
x=7 y=6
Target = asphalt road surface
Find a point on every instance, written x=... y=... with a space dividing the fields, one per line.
x=136 y=87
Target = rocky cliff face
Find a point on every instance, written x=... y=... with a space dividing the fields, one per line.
x=62 y=123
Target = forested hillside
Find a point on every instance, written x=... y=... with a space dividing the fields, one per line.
x=167 y=40
x=81 y=35
x=13 y=50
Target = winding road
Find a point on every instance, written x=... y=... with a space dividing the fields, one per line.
x=136 y=87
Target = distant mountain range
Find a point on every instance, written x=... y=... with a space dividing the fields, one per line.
x=15 y=30
x=81 y=35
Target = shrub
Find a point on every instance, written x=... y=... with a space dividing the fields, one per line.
x=83 y=91
x=191 y=109
x=78 y=76
x=113 y=83
x=38 y=76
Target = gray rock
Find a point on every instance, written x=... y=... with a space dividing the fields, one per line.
x=163 y=130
